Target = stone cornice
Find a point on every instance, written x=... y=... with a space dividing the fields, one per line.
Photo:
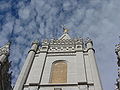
x=62 y=54
x=5 y=49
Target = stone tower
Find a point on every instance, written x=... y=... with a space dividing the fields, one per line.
x=60 y=64
x=5 y=76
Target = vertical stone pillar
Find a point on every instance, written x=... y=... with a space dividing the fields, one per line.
x=94 y=68
x=5 y=76
x=80 y=61
x=117 y=51
x=37 y=68
x=2 y=60
x=27 y=65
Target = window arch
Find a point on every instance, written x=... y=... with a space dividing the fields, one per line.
x=59 y=72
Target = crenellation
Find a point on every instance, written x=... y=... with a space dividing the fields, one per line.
x=64 y=45
x=88 y=40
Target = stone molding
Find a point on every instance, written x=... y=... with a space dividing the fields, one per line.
x=62 y=54
x=60 y=84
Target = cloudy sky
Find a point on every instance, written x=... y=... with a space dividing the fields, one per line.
x=22 y=21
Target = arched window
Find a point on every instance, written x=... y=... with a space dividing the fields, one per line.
x=59 y=72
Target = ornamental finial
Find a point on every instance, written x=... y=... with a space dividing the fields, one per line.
x=65 y=30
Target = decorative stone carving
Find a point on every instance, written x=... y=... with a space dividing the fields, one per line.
x=117 y=48
x=79 y=41
x=5 y=49
x=88 y=40
x=118 y=81
x=72 y=53
x=45 y=42
x=117 y=52
x=35 y=42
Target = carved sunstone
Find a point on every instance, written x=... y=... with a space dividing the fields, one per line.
x=59 y=72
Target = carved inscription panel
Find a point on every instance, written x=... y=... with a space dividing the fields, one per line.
x=59 y=72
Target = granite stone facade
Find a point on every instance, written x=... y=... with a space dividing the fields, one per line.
x=79 y=55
